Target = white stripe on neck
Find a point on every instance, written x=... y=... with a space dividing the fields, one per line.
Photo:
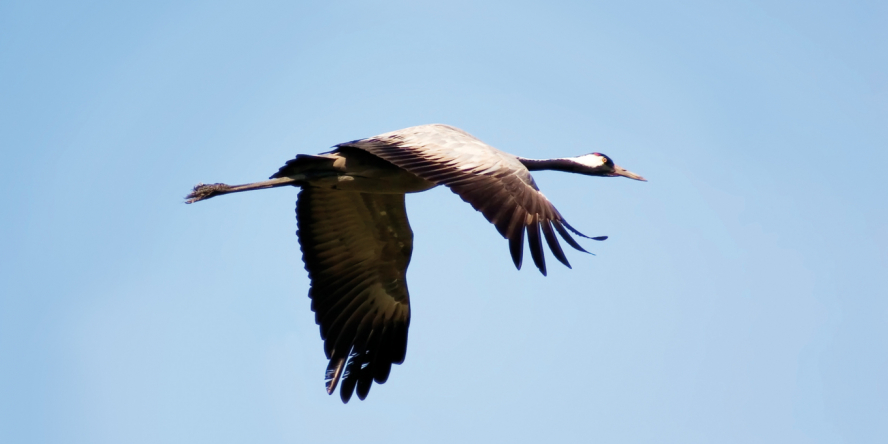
x=590 y=160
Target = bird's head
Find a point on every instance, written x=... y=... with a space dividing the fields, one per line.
x=597 y=164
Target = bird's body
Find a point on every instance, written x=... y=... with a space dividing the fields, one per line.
x=357 y=242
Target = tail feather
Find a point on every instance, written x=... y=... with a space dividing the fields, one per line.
x=303 y=163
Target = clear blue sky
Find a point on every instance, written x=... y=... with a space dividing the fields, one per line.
x=742 y=296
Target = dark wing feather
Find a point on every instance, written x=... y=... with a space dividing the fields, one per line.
x=494 y=182
x=356 y=248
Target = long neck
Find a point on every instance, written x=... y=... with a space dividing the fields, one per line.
x=550 y=164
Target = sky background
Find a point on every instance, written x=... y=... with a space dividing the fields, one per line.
x=742 y=296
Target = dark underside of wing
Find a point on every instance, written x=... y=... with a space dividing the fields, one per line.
x=493 y=182
x=356 y=248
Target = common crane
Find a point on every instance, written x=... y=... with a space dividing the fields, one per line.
x=356 y=240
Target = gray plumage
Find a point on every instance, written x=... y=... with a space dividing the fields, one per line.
x=357 y=242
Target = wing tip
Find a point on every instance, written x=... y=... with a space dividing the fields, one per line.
x=333 y=374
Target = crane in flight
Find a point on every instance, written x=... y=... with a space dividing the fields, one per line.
x=356 y=241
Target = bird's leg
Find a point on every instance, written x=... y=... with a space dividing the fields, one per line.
x=206 y=191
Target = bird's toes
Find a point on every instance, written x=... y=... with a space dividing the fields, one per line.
x=205 y=191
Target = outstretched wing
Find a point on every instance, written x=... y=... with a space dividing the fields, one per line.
x=356 y=248
x=494 y=182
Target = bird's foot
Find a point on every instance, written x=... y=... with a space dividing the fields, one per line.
x=206 y=191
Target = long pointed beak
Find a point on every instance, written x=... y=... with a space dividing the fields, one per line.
x=620 y=171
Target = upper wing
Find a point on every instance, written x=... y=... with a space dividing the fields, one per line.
x=495 y=183
x=356 y=248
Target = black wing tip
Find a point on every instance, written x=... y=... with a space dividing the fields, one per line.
x=345 y=396
x=574 y=230
x=536 y=245
x=559 y=227
x=516 y=248
x=554 y=246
